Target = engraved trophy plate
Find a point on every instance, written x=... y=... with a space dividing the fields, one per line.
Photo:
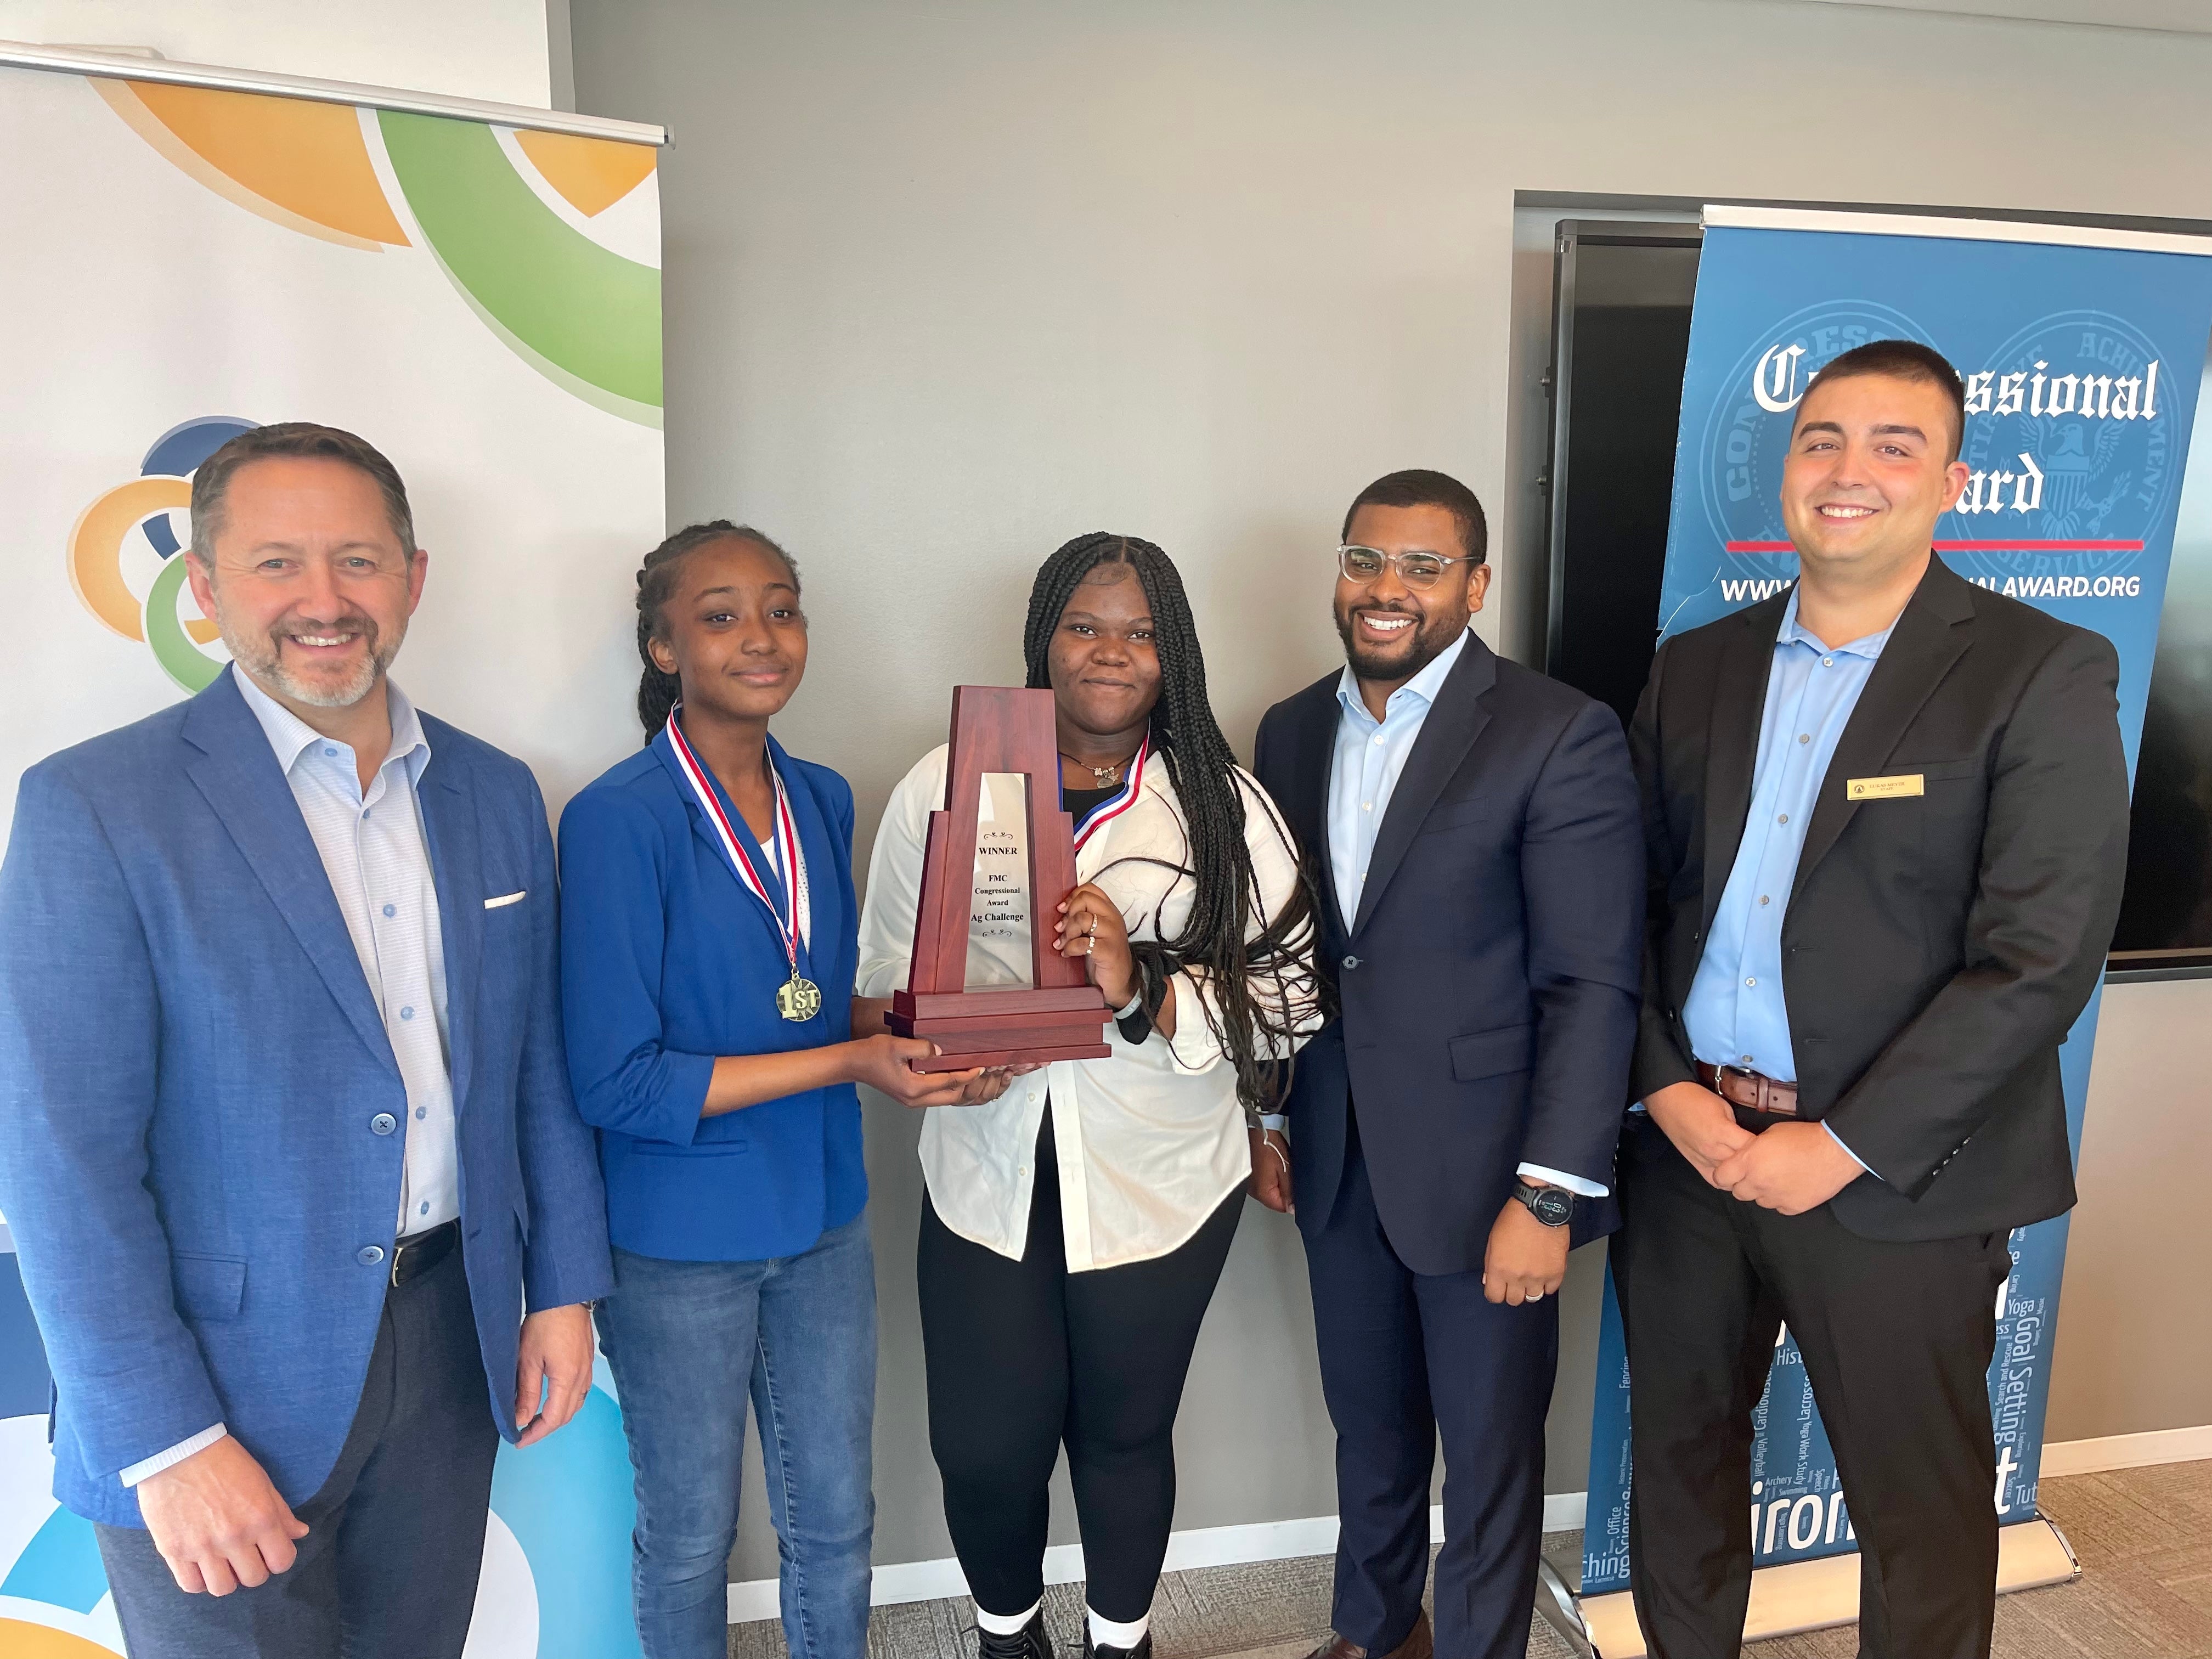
x=1059 y=1015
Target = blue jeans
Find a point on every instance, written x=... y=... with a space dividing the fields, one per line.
x=686 y=1340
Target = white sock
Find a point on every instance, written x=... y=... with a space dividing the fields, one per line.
x=1105 y=1633
x=1003 y=1624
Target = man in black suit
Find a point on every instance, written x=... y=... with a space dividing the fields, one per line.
x=1886 y=817
x=1471 y=828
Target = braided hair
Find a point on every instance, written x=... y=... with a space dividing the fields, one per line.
x=657 y=692
x=1185 y=736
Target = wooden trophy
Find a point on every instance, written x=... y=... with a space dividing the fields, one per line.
x=1059 y=1015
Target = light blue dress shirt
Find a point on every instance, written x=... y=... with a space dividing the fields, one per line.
x=1370 y=756
x=1735 y=1014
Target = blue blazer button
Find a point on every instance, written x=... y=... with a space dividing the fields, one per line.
x=384 y=1123
x=369 y=1254
x=1351 y=961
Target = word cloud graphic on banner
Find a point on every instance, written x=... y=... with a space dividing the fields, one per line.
x=482 y=303
x=2082 y=353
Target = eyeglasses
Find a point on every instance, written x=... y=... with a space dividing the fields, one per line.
x=1419 y=571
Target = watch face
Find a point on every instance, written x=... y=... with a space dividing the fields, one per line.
x=1553 y=1207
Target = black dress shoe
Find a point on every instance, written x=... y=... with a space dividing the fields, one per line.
x=1029 y=1642
x=1142 y=1651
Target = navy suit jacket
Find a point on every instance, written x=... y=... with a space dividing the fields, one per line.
x=1490 y=983
x=189 y=1061
x=671 y=963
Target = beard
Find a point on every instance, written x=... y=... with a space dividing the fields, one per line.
x=261 y=655
x=1432 y=636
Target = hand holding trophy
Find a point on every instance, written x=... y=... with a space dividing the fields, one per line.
x=1061 y=1014
x=1091 y=930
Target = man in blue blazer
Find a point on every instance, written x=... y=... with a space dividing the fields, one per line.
x=285 y=1138
x=1472 y=830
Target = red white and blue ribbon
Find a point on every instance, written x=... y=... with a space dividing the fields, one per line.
x=799 y=925
x=1113 y=805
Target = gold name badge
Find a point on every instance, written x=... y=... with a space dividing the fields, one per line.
x=1905 y=783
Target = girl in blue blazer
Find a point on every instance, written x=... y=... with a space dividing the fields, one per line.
x=708 y=946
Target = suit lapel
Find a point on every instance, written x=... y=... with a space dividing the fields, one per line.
x=237 y=772
x=1932 y=633
x=703 y=829
x=1732 y=740
x=1313 y=763
x=451 y=830
x=1454 y=723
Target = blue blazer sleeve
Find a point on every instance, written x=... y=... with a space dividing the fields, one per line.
x=80 y=1035
x=1581 y=881
x=566 y=1258
x=613 y=855
x=841 y=810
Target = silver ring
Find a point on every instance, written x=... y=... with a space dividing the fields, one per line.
x=1534 y=1295
x=1091 y=932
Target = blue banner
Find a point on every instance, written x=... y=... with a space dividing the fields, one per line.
x=2082 y=365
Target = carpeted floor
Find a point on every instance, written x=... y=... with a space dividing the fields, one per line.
x=2144 y=1537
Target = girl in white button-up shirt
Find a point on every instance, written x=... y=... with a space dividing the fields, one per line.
x=1076 y=1225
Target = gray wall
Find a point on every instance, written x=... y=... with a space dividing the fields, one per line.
x=948 y=284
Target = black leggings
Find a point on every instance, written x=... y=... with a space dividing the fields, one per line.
x=1024 y=1355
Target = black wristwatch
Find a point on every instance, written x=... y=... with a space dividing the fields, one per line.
x=1553 y=1205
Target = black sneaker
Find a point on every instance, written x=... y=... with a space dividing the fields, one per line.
x=1029 y=1642
x=1142 y=1651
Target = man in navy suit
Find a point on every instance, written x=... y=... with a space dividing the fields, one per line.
x=286 y=1138
x=1474 y=832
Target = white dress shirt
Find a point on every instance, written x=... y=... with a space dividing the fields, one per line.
x=1370 y=755
x=1148 y=1140
x=373 y=849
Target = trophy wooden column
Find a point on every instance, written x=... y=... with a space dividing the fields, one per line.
x=1060 y=1014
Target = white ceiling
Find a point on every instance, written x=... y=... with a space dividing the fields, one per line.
x=2177 y=17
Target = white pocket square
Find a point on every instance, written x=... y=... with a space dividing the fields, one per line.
x=505 y=899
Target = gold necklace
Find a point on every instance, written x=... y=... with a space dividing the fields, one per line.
x=1106 y=777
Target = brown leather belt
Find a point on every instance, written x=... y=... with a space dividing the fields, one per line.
x=1750 y=1091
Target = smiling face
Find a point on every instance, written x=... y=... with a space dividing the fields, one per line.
x=1391 y=631
x=307 y=581
x=1103 y=665
x=731 y=630
x=1869 y=472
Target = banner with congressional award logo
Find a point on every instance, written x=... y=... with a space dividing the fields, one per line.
x=482 y=301
x=2082 y=351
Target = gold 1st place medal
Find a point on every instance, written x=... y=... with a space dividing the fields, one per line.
x=799 y=999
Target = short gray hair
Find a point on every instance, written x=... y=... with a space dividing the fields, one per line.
x=305 y=439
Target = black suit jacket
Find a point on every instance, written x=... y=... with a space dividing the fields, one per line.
x=1935 y=947
x=1489 y=983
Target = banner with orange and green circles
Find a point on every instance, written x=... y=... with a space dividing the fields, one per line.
x=481 y=302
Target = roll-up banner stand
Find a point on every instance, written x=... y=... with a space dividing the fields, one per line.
x=475 y=289
x=2083 y=350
